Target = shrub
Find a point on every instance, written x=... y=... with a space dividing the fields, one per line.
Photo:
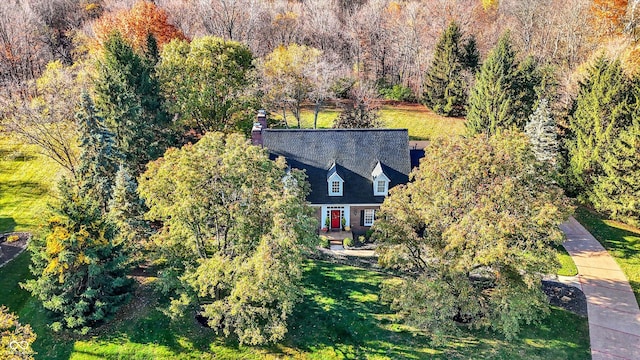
x=362 y=239
x=324 y=242
x=367 y=235
x=397 y=92
x=347 y=242
x=13 y=238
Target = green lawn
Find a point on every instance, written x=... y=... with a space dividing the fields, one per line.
x=340 y=318
x=422 y=123
x=620 y=240
x=567 y=266
x=26 y=180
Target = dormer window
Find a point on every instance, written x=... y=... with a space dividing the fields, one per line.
x=335 y=183
x=381 y=187
x=335 y=188
x=380 y=181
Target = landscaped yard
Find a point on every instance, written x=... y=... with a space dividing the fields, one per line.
x=26 y=181
x=620 y=240
x=422 y=123
x=340 y=318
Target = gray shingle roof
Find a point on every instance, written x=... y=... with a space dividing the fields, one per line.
x=355 y=152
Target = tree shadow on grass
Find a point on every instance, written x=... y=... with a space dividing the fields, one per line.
x=22 y=190
x=7 y=224
x=341 y=316
x=624 y=243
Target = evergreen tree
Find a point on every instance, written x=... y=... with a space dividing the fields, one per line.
x=80 y=273
x=491 y=101
x=617 y=190
x=128 y=96
x=357 y=115
x=601 y=111
x=362 y=111
x=126 y=211
x=444 y=86
x=98 y=157
x=471 y=55
x=506 y=91
x=542 y=133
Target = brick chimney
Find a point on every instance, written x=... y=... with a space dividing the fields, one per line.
x=258 y=127
x=262 y=118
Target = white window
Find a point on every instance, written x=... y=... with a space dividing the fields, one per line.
x=335 y=187
x=369 y=217
x=382 y=186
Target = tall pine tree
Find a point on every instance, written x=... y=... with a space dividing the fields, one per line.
x=617 y=190
x=506 y=91
x=128 y=96
x=98 y=157
x=601 y=110
x=444 y=85
x=491 y=101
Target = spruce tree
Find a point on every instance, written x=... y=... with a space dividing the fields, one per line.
x=471 y=55
x=617 y=191
x=128 y=96
x=98 y=157
x=444 y=86
x=126 y=211
x=542 y=133
x=601 y=111
x=491 y=101
x=80 y=273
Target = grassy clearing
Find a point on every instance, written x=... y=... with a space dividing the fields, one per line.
x=620 y=240
x=422 y=123
x=26 y=180
x=340 y=317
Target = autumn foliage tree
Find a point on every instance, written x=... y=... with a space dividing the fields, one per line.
x=476 y=228
x=136 y=24
x=236 y=228
x=608 y=16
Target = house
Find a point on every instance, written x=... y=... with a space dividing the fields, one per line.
x=350 y=170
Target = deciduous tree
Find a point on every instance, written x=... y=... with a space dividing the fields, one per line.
x=361 y=109
x=47 y=118
x=136 y=24
x=475 y=229
x=288 y=76
x=209 y=84
x=235 y=228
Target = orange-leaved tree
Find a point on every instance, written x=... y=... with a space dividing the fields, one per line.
x=608 y=16
x=136 y=24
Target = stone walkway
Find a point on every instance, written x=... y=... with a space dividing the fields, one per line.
x=614 y=316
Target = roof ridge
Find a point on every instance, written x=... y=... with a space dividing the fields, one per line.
x=314 y=130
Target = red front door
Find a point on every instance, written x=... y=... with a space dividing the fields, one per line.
x=335 y=219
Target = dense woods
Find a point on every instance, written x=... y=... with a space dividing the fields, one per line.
x=123 y=92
